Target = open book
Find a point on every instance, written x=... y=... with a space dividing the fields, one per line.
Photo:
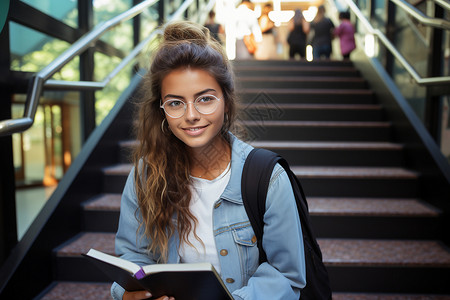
x=198 y=281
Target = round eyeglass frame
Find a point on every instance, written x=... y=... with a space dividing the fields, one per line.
x=186 y=103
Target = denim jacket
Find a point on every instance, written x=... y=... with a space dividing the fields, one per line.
x=281 y=277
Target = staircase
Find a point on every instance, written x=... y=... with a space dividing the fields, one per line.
x=379 y=237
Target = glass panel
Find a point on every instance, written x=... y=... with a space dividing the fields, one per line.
x=149 y=21
x=363 y=6
x=105 y=10
x=445 y=136
x=380 y=17
x=31 y=51
x=106 y=98
x=408 y=33
x=120 y=37
x=446 y=49
x=63 y=10
x=414 y=94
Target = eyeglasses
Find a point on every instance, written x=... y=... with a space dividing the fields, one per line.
x=204 y=104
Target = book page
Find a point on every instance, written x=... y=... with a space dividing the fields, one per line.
x=114 y=260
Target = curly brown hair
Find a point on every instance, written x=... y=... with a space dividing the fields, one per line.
x=162 y=165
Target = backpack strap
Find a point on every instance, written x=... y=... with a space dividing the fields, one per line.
x=256 y=175
x=255 y=181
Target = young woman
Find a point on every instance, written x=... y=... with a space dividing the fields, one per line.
x=182 y=200
x=298 y=31
x=323 y=34
x=346 y=33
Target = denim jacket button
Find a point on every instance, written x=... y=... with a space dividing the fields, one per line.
x=223 y=252
x=254 y=239
x=217 y=204
x=229 y=280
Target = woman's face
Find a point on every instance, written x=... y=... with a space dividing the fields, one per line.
x=195 y=129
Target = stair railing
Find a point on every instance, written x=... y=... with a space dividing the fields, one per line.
x=42 y=78
x=433 y=22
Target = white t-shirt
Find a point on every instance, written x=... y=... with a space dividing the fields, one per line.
x=204 y=194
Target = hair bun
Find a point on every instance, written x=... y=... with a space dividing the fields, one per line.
x=186 y=30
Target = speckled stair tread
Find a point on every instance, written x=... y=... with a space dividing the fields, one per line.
x=336 y=252
x=79 y=291
x=299 y=91
x=370 y=207
x=344 y=172
x=321 y=206
x=309 y=145
x=333 y=124
x=354 y=172
x=104 y=202
x=325 y=145
x=87 y=240
x=120 y=169
x=312 y=106
x=293 y=68
x=406 y=253
x=361 y=296
x=101 y=291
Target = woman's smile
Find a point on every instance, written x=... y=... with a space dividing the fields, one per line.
x=194 y=131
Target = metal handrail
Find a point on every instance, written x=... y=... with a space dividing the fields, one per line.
x=42 y=78
x=421 y=17
x=443 y=3
x=387 y=43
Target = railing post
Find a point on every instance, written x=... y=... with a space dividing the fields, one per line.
x=8 y=227
x=161 y=11
x=87 y=103
x=136 y=26
x=390 y=34
x=433 y=105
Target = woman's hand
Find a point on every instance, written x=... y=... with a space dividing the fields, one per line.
x=142 y=295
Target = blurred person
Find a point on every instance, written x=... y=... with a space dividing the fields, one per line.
x=323 y=34
x=346 y=33
x=267 y=49
x=214 y=28
x=246 y=27
x=298 y=30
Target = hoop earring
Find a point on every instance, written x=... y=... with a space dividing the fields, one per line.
x=162 y=127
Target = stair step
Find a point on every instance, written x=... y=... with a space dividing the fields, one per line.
x=72 y=290
x=311 y=112
x=305 y=70
x=332 y=217
x=336 y=153
x=115 y=177
x=376 y=182
x=349 y=172
x=317 y=63
x=340 y=181
x=357 y=218
x=101 y=214
x=317 y=131
x=321 y=82
x=322 y=153
x=306 y=95
x=395 y=207
x=354 y=265
x=68 y=257
x=101 y=291
x=386 y=266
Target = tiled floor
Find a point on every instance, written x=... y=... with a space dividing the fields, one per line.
x=29 y=202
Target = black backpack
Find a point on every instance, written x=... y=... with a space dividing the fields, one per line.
x=256 y=175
